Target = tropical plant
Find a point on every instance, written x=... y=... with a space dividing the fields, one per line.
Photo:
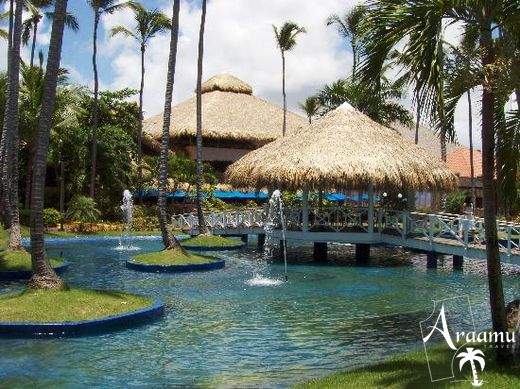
x=311 y=107
x=202 y=229
x=148 y=25
x=348 y=28
x=51 y=217
x=418 y=25
x=380 y=105
x=82 y=209
x=169 y=240
x=30 y=25
x=43 y=274
x=100 y=7
x=10 y=134
x=286 y=41
x=3 y=33
x=472 y=355
x=455 y=201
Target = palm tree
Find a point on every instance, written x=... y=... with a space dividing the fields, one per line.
x=100 y=7
x=169 y=240
x=420 y=24
x=10 y=136
x=148 y=24
x=198 y=185
x=3 y=33
x=30 y=25
x=286 y=41
x=348 y=28
x=44 y=276
x=310 y=106
x=472 y=355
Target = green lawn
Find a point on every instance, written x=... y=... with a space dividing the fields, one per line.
x=68 y=305
x=411 y=371
x=4 y=237
x=65 y=234
x=211 y=241
x=171 y=257
x=20 y=261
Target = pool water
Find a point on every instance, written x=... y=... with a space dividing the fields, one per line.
x=222 y=329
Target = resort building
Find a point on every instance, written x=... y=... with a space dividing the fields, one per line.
x=234 y=122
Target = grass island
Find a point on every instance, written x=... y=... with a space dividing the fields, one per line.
x=211 y=242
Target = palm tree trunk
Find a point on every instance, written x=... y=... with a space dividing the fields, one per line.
x=354 y=57
x=4 y=147
x=496 y=293
x=44 y=276
x=284 y=126
x=95 y=118
x=62 y=191
x=141 y=118
x=168 y=238
x=33 y=47
x=418 y=121
x=471 y=162
x=11 y=132
x=200 y=215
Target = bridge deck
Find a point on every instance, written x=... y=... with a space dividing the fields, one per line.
x=440 y=233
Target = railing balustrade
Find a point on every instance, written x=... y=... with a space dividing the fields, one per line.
x=441 y=227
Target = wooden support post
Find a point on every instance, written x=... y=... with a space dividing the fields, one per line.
x=458 y=262
x=362 y=254
x=431 y=260
x=261 y=241
x=305 y=210
x=320 y=251
x=243 y=238
x=370 y=208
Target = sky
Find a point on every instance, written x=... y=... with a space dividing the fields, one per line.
x=239 y=40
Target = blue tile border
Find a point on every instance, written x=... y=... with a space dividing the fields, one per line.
x=216 y=264
x=85 y=327
x=26 y=274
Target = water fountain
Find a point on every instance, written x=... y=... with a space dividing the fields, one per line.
x=125 y=240
x=275 y=217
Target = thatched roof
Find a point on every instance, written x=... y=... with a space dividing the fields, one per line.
x=229 y=112
x=343 y=150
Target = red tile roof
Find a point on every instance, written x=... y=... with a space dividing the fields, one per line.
x=458 y=161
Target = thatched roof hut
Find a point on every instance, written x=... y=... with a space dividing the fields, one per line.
x=343 y=150
x=230 y=112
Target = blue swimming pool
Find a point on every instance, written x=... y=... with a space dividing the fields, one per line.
x=222 y=330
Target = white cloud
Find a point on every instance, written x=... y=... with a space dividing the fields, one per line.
x=239 y=40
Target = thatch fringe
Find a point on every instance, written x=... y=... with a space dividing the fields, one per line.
x=343 y=150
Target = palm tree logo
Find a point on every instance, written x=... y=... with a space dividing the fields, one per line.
x=472 y=355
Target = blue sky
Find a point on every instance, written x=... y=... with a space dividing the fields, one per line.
x=239 y=40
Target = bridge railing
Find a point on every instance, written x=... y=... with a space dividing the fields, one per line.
x=459 y=229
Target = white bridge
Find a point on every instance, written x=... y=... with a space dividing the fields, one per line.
x=435 y=233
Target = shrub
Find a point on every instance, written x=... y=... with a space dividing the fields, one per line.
x=455 y=201
x=51 y=217
x=82 y=209
x=395 y=201
x=145 y=223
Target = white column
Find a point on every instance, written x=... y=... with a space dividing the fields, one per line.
x=370 y=208
x=305 y=210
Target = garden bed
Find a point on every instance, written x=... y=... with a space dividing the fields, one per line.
x=173 y=261
x=16 y=265
x=73 y=312
x=212 y=243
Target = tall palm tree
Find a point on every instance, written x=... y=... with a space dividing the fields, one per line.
x=348 y=28
x=169 y=240
x=286 y=41
x=30 y=25
x=100 y=7
x=310 y=106
x=148 y=25
x=10 y=136
x=420 y=24
x=198 y=185
x=44 y=276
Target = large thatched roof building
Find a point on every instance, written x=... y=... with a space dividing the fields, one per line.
x=234 y=121
x=343 y=150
